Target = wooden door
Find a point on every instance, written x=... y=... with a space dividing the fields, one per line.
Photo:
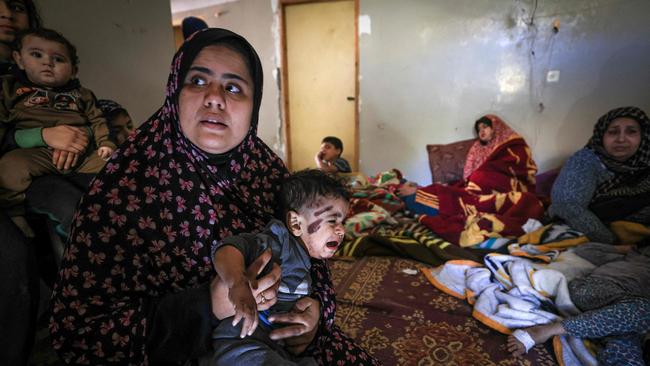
x=320 y=54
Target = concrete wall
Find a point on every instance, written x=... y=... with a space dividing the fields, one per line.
x=430 y=68
x=253 y=19
x=125 y=48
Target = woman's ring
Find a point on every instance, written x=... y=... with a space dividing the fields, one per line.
x=263 y=298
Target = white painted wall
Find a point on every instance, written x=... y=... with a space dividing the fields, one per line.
x=429 y=68
x=125 y=48
x=253 y=19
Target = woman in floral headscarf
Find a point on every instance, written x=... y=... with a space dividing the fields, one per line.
x=496 y=195
x=137 y=284
x=609 y=179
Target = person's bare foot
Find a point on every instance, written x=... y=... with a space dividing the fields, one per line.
x=539 y=334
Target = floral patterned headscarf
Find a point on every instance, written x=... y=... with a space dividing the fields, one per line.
x=632 y=176
x=145 y=227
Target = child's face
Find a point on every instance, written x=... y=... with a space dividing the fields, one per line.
x=46 y=63
x=329 y=152
x=320 y=228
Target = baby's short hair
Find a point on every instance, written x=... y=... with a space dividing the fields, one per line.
x=50 y=35
x=305 y=188
x=335 y=141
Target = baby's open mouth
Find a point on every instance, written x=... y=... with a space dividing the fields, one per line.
x=332 y=244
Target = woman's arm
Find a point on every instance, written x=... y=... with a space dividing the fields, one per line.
x=95 y=321
x=229 y=264
x=572 y=192
x=182 y=323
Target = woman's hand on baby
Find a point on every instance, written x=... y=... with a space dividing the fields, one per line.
x=245 y=307
x=104 y=152
x=265 y=289
x=302 y=325
x=67 y=138
x=64 y=160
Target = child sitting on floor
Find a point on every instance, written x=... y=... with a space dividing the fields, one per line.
x=43 y=92
x=328 y=158
x=314 y=207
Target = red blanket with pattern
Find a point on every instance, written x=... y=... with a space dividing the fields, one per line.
x=497 y=198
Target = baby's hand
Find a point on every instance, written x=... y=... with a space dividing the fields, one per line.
x=104 y=152
x=241 y=297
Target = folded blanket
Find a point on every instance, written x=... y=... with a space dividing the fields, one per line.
x=507 y=292
x=510 y=293
x=547 y=242
x=571 y=351
x=406 y=240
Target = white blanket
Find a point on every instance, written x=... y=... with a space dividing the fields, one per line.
x=511 y=292
x=508 y=292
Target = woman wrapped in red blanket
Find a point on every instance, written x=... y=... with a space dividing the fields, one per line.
x=495 y=197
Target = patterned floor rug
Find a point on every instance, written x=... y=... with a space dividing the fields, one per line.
x=389 y=307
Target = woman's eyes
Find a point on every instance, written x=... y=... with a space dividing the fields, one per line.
x=17 y=6
x=627 y=131
x=230 y=88
x=60 y=59
x=198 y=81
x=234 y=89
x=36 y=54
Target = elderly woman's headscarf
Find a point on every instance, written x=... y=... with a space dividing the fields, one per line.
x=632 y=176
x=479 y=153
x=146 y=224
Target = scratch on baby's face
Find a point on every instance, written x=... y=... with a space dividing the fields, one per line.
x=325 y=232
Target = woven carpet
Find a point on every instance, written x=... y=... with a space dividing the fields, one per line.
x=388 y=306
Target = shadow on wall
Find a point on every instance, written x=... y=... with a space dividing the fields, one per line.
x=618 y=81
